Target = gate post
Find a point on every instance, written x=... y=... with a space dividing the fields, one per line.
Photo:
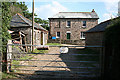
x=0 y=41
x=9 y=55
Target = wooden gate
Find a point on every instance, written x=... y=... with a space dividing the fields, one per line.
x=56 y=62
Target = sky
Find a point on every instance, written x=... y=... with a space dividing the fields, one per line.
x=106 y=9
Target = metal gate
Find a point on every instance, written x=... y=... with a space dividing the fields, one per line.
x=56 y=62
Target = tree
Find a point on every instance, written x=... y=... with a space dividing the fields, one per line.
x=28 y=15
x=45 y=24
x=21 y=7
x=6 y=18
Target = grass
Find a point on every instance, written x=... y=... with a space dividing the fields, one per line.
x=54 y=44
x=27 y=56
x=40 y=51
x=7 y=76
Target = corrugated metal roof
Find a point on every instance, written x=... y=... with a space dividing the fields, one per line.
x=76 y=15
x=100 y=27
x=18 y=20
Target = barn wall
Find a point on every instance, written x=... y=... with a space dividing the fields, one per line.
x=94 y=39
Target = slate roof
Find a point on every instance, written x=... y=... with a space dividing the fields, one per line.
x=76 y=15
x=20 y=21
x=100 y=27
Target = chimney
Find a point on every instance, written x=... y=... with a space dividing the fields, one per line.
x=93 y=10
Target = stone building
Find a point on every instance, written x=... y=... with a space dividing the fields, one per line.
x=70 y=27
x=21 y=31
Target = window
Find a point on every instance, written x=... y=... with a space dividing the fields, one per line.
x=82 y=35
x=57 y=34
x=84 y=24
x=68 y=23
x=68 y=35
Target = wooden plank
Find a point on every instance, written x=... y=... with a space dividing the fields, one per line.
x=57 y=67
x=57 y=61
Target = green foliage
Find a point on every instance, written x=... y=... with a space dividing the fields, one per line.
x=8 y=76
x=40 y=51
x=15 y=9
x=54 y=44
x=22 y=8
x=112 y=33
x=6 y=18
x=39 y=20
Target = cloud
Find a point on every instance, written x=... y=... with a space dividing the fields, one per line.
x=111 y=7
x=46 y=11
x=71 y=0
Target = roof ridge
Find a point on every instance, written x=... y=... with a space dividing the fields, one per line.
x=75 y=12
x=24 y=17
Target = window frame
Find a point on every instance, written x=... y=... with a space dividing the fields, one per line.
x=57 y=35
x=82 y=35
x=84 y=24
x=67 y=24
x=68 y=32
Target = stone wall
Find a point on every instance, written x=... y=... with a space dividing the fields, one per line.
x=94 y=39
x=59 y=25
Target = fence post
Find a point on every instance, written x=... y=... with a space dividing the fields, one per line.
x=9 y=55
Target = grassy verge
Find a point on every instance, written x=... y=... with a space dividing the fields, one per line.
x=8 y=76
x=54 y=44
x=27 y=56
x=40 y=51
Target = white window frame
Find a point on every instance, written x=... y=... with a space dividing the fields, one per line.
x=83 y=25
x=57 y=36
x=67 y=23
x=81 y=35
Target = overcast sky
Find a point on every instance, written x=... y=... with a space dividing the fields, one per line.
x=105 y=9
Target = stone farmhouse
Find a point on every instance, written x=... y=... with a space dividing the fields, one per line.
x=21 y=31
x=70 y=27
